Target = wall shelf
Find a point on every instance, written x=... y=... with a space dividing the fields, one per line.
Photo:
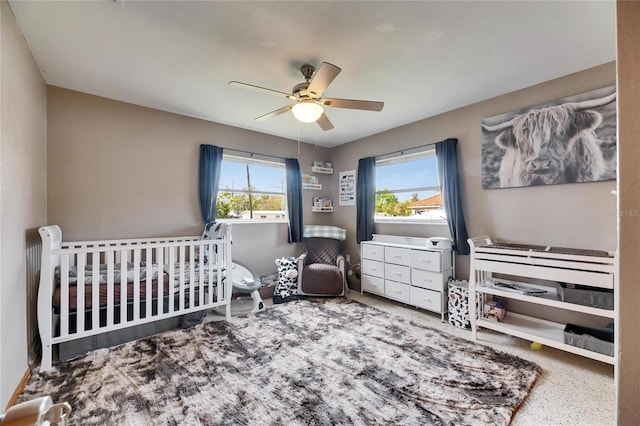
x=322 y=209
x=314 y=186
x=323 y=170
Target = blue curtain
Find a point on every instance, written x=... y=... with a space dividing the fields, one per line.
x=209 y=180
x=294 y=199
x=365 y=199
x=446 y=153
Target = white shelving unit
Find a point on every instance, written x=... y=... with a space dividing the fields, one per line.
x=586 y=267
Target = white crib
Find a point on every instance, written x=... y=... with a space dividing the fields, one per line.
x=93 y=287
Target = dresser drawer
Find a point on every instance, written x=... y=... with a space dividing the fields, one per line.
x=398 y=256
x=373 y=267
x=372 y=251
x=426 y=299
x=427 y=279
x=373 y=284
x=428 y=260
x=397 y=273
x=397 y=291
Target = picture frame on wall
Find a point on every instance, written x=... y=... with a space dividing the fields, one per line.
x=347 y=188
x=568 y=140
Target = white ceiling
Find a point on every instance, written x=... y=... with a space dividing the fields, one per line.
x=419 y=58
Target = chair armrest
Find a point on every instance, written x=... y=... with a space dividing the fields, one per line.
x=300 y=261
x=341 y=263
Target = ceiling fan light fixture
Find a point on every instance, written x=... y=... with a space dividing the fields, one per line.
x=307 y=111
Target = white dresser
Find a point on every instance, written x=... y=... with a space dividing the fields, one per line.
x=408 y=270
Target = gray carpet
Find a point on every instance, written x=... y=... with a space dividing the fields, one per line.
x=312 y=362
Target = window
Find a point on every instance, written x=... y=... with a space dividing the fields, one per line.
x=250 y=189
x=407 y=188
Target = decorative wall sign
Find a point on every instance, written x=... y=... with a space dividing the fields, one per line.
x=347 y=184
x=568 y=140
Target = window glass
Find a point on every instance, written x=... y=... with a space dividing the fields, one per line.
x=407 y=188
x=251 y=190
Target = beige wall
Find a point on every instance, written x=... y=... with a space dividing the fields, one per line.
x=118 y=170
x=629 y=190
x=23 y=186
x=570 y=215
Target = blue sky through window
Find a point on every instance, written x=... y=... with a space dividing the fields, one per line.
x=418 y=173
x=263 y=178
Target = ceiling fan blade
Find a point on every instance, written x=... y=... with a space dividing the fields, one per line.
x=275 y=113
x=352 y=104
x=324 y=122
x=262 y=89
x=322 y=78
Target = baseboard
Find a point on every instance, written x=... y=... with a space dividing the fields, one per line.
x=20 y=387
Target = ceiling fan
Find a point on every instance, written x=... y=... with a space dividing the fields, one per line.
x=309 y=106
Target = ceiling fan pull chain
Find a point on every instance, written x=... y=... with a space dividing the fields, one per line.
x=298 y=137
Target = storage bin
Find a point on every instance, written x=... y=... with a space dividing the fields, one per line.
x=459 y=304
x=586 y=296
x=593 y=339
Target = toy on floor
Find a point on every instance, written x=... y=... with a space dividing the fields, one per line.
x=536 y=346
x=287 y=286
x=243 y=282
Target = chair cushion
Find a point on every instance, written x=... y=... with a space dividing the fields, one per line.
x=322 y=250
x=321 y=279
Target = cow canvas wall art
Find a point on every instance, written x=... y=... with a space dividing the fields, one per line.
x=568 y=140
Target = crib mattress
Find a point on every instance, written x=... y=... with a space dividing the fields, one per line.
x=102 y=289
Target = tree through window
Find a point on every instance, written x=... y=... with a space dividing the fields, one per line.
x=407 y=188
x=251 y=189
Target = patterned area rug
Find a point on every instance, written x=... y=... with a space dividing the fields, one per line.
x=320 y=362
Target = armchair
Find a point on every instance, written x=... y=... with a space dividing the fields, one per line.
x=321 y=270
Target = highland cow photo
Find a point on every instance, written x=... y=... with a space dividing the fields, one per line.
x=568 y=140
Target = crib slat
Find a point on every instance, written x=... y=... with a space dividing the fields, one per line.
x=118 y=252
x=181 y=289
x=95 y=290
x=160 y=262
x=201 y=281
x=192 y=281
x=136 y=284
x=172 y=277
x=212 y=278
x=110 y=275
x=64 y=295
x=81 y=261
x=149 y=278
x=123 y=286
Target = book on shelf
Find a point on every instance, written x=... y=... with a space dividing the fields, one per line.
x=323 y=202
x=515 y=288
x=322 y=164
x=309 y=179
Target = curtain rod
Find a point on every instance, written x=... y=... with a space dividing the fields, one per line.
x=402 y=151
x=253 y=153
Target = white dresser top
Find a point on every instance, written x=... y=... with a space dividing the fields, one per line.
x=404 y=242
